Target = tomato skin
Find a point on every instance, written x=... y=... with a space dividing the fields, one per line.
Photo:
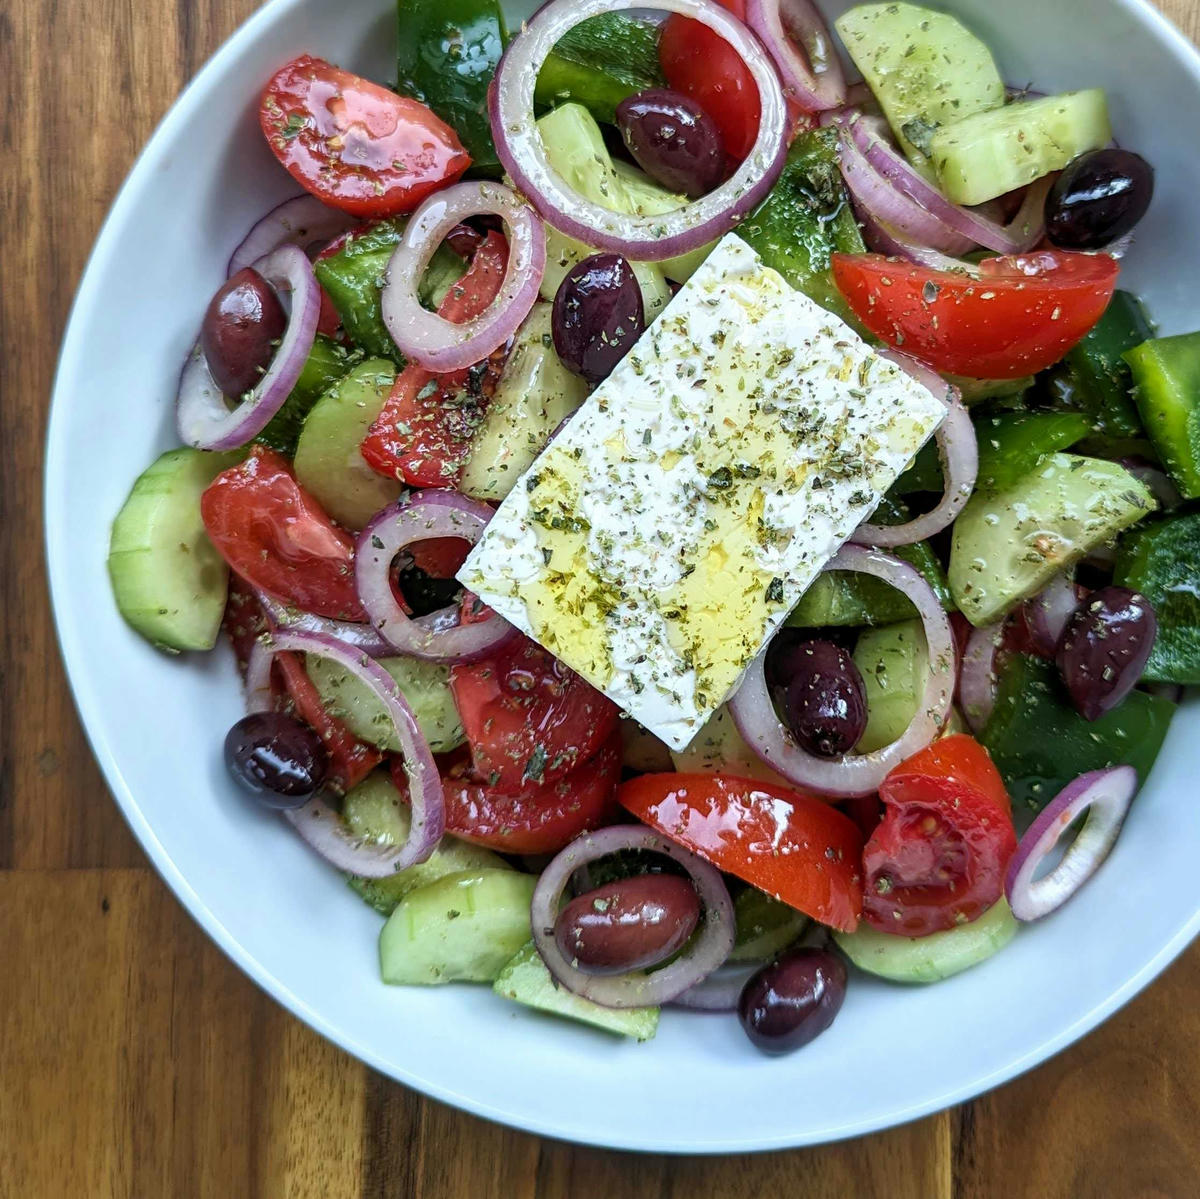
x=527 y=717
x=440 y=557
x=1020 y=317
x=938 y=858
x=538 y=818
x=796 y=848
x=277 y=537
x=353 y=144
x=703 y=65
x=424 y=432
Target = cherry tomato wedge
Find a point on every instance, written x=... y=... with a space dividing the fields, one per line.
x=704 y=66
x=354 y=144
x=528 y=718
x=1020 y=316
x=798 y=849
x=938 y=858
x=277 y=537
x=440 y=557
x=423 y=434
x=538 y=818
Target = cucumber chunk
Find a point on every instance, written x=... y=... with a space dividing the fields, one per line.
x=1007 y=546
x=536 y=393
x=718 y=748
x=1166 y=372
x=893 y=662
x=764 y=926
x=168 y=580
x=328 y=462
x=327 y=362
x=526 y=980
x=648 y=198
x=925 y=68
x=374 y=811
x=929 y=959
x=991 y=153
x=465 y=927
x=426 y=686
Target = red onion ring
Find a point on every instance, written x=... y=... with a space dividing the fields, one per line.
x=1105 y=795
x=645 y=238
x=316 y=821
x=358 y=636
x=698 y=959
x=977 y=675
x=300 y=221
x=1047 y=613
x=424 y=514
x=798 y=39
x=884 y=240
x=854 y=774
x=203 y=415
x=440 y=345
x=959 y=452
x=720 y=991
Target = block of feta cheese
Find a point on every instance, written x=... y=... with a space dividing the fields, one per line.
x=668 y=530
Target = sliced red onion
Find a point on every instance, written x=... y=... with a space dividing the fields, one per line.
x=720 y=991
x=1047 y=613
x=645 y=238
x=203 y=415
x=797 y=38
x=440 y=345
x=855 y=774
x=697 y=960
x=977 y=675
x=1105 y=795
x=959 y=452
x=884 y=240
x=317 y=822
x=424 y=514
x=300 y=221
x=358 y=636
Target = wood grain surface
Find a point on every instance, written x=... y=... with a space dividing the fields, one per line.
x=136 y=1061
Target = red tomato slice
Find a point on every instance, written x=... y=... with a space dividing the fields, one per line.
x=355 y=145
x=1020 y=317
x=938 y=858
x=350 y=760
x=528 y=718
x=798 y=849
x=423 y=434
x=538 y=818
x=277 y=537
x=703 y=65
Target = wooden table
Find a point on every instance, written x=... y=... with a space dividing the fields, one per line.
x=135 y=1060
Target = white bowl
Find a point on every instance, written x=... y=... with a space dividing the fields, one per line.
x=156 y=723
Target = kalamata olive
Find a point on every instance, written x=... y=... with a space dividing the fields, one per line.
x=241 y=329
x=673 y=140
x=598 y=315
x=628 y=924
x=1098 y=198
x=792 y=999
x=280 y=761
x=824 y=699
x=1104 y=647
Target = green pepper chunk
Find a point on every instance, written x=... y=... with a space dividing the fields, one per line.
x=448 y=51
x=327 y=362
x=805 y=218
x=1012 y=444
x=1162 y=561
x=1039 y=742
x=1166 y=371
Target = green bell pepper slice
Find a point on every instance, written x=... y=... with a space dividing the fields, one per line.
x=326 y=363
x=1012 y=444
x=1166 y=374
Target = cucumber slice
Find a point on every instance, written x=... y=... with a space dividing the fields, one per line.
x=536 y=393
x=465 y=927
x=894 y=663
x=991 y=153
x=1007 y=546
x=426 y=686
x=328 y=463
x=718 y=748
x=929 y=959
x=373 y=810
x=764 y=926
x=925 y=68
x=526 y=980
x=168 y=580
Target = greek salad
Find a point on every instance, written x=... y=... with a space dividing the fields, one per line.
x=694 y=510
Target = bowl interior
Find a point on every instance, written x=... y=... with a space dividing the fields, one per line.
x=156 y=722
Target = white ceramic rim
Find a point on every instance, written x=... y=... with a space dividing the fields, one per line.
x=59 y=571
